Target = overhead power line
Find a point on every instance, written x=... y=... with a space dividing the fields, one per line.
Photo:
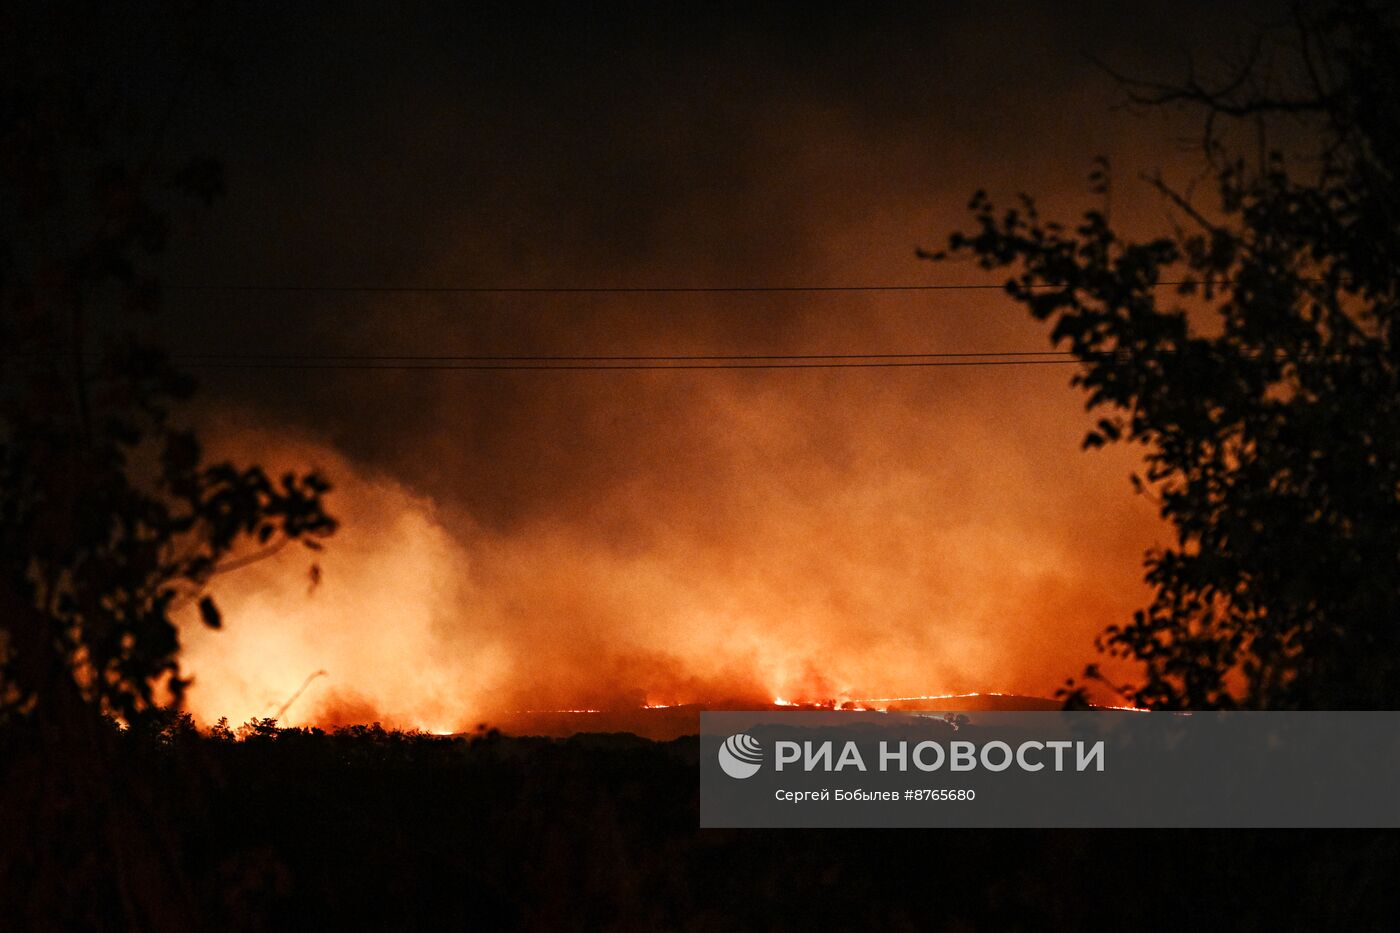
x=559 y=363
x=307 y=361
x=614 y=362
x=658 y=358
x=595 y=289
x=582 y=366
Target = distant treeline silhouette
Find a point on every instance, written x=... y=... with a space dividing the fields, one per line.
x=363 y=828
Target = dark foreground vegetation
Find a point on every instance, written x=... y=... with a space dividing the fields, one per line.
x=366 y=829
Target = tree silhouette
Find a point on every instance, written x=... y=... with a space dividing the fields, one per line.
x=1264 y=388
x=110 y=516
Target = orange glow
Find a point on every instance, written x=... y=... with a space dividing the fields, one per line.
x=623 y=540
x=424 y=624
x=612 y=541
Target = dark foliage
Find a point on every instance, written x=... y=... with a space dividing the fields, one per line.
x=368 y=829
x=1264 y=388
x=110 y=516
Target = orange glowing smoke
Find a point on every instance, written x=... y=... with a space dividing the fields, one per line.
x=889 y=583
